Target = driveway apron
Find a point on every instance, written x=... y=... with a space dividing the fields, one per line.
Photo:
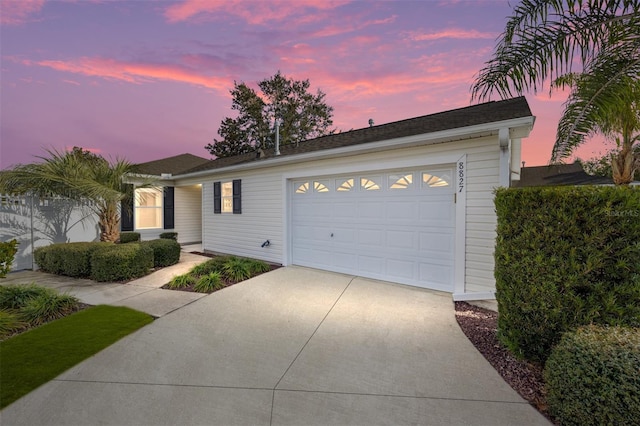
x=295 y=346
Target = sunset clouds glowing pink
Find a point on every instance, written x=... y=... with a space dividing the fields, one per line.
x=146 y=80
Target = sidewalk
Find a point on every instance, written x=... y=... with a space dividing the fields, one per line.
x=143 y=294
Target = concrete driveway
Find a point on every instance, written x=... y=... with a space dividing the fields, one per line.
x=295 y=346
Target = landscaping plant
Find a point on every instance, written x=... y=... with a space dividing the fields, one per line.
x=7 y=252
x=209 y=283
x=593 y=377
x=119 y=262
x=166 y=252
x=181 y=281
x=565 y=257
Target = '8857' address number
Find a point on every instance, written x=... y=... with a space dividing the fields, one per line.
x=460 y=176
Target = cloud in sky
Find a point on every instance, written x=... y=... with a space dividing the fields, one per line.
x=17 y=12
x=151 y=79
x=259 y=13
x=132 y=72
x=451 y=33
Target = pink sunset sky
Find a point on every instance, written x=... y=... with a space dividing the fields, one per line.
x=143 y=80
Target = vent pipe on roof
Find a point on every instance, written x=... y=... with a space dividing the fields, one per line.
x=371 y=122
x=277 y=136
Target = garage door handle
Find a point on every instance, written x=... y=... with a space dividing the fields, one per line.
x=332 y=235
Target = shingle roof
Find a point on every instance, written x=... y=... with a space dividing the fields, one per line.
x=558 y=174
x=175 y=165
x=462 y=117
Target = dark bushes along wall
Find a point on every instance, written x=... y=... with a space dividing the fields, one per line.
x=565 y=257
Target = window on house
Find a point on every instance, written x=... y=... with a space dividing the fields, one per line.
x=227 y=197
x=148 y=208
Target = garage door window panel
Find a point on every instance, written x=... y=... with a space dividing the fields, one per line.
x=321 y=187
x=345 y=185
x=302 y=188
x=435 y=179
x=370 y=183
x=402 y=181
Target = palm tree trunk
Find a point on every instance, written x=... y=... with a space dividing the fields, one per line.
x=109 y=222
x=624 y=164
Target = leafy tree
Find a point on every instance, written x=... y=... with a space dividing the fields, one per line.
x=78 y=175
x=302 y=116
x=544 y=39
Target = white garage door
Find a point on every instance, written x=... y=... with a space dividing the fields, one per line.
x=396 y=226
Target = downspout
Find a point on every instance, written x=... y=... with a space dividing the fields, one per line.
x=505 y=157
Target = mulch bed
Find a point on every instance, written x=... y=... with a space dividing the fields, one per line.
x=481 y=327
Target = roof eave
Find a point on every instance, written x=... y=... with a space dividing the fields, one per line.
x=519 y=128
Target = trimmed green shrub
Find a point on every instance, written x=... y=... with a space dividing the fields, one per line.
x=15 y=297
x=120 y=262
x=129 y=237
x=181 y=281
x=593 y=377
x=209 y=283
x=165 y=252
x=565 y=257
x=70 y=259
x=47 y=307
x=169 y=236
x=7 y=252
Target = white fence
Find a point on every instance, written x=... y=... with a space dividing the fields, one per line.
x=36 y=222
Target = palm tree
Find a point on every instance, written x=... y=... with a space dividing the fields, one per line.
x=545 y=39
x=596 y=106
x=77 y=175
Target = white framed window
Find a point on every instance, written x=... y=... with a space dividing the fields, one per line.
x=227 y=197
x=148 y=208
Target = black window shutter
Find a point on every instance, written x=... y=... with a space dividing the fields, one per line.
x=169 y=207
x=126 y=212
x=237 y=197
x=217 y=198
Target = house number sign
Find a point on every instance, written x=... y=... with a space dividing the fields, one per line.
x=460 y=176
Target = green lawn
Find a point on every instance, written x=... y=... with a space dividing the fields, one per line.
x=33 y=358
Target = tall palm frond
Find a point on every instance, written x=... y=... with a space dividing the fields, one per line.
x=603 y=101
x=543 y=37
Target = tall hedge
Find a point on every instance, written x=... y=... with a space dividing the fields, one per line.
x=565 y=257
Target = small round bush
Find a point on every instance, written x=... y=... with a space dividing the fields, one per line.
x=169 y=236
x=129 y=237
x=165 y=252
x=181 y=281
x=209 y=283
x=120 y=262
x=593 y=377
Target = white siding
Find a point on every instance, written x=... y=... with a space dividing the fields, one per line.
x=188 y=213
x=264 y=218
